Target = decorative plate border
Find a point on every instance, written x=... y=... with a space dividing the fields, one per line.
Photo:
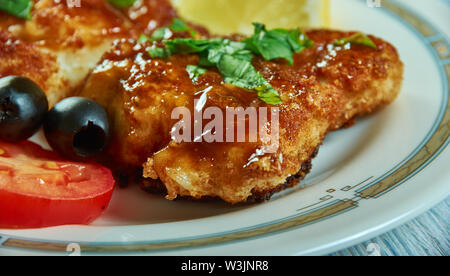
x=435 y=142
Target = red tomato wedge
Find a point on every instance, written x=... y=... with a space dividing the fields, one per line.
x=39 y=189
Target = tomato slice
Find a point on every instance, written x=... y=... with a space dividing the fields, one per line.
x=39 y=189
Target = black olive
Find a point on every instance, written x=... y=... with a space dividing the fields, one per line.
x=23 y=106
x=77 y=128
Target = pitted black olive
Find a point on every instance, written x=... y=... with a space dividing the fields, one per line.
x=23 y=106
x=77 y=128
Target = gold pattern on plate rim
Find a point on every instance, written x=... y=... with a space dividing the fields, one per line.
x=334 y=209
x=424 y=155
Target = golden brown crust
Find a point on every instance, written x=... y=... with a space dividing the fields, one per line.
x=155 y=186
x=55 y=25
x=148 y=15
x=327 y=87
x=60 y=45
x=18 y=57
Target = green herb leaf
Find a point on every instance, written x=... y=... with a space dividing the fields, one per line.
x=143 y=38
x=240 y=72
x=165 y=33
x=299 y=41
x=189 y=45
x=195 y=71
x=161 y=34
x=158 y=34
x=19 y=8
x=156 y=52
x=277 y=43
x=237 y=49
x=178 y=25
x=358 y=38
x=122 y=3
x=269 y=45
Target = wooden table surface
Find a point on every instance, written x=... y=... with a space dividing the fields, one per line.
x=426 y=235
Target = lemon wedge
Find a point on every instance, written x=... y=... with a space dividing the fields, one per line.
x=236 y=16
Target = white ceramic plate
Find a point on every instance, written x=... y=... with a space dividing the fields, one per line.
x=366 y=180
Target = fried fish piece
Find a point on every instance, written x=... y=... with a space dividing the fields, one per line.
x=327 y=87
x=61 y=44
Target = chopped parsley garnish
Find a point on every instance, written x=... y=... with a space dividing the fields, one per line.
x=19 y=8
x=165 y=33
x=189 y=45
x=195 y=71
x=156 y=52
x=240 y=72
x=122 y=3
x=358 y=38
x=278 y=43
x=234 y=59
x=178 y=25
x=161 y=34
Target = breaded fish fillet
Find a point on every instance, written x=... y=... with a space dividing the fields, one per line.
x=61 y=44
x=327 y=87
